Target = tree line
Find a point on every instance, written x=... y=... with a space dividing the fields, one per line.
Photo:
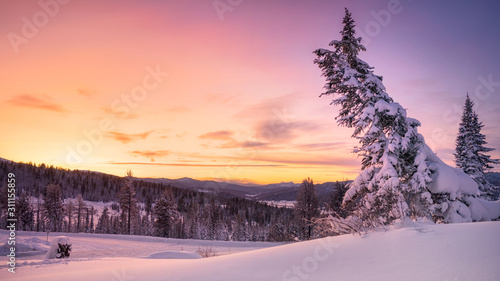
x=138 y=207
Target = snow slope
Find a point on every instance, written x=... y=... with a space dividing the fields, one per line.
x=421 y=252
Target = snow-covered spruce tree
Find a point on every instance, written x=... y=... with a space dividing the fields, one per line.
x=103 y=225
x=128 y=202
x=69 y=207
x=166 y=214
x=470 y=150
x=394 y=174
x=53 y=207
x=26 y=212
x=80 y=208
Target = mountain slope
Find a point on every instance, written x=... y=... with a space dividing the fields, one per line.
x=96 y=186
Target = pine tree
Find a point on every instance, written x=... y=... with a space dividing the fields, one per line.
x=80 y=207
x=306 y=208
x=26 y=212
x=394 y=169
x=104 y=223
x=53 y=207
x=336 y=198
x=40 y=219
x=92 y=213
x=166 y=214
x=470 y=150
x=3 y=206
x=128 y=202
x=69 y=211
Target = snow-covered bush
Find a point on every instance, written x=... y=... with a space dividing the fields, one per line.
x=60 y=247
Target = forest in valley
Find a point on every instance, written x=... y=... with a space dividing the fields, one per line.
x=51 y=199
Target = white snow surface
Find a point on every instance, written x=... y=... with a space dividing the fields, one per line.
x=468 y=251
x=174 y=255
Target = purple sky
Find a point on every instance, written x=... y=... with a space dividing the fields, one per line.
x=240 y=101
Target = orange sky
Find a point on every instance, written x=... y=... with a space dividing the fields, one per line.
x=172 y=89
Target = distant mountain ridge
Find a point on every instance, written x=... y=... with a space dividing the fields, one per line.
x=269 y=192
x=493 y=178
x=97 y=186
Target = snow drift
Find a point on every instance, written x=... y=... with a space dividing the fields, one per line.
x=447 y=179
x=462 y=190
x=174 y=255
x=468 y=251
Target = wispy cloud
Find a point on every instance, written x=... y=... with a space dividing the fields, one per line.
x=231 y=142
x=151 y=154
x=126 y=138
x=31 y=101
x=218 y=135
x=284 y=159
x=245 y=144
x=86 y=92
x=330 y=146
x=192 y=165
x=275 y=121
x=307 y=160
x=278 y=131
x=119 y=114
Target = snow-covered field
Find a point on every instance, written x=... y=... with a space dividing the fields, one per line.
x=452 y=252
x=280 y=204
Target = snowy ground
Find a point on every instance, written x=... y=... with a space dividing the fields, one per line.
x=450 y=252
x=280 y=204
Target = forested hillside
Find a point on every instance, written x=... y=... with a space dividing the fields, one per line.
x=185 y=213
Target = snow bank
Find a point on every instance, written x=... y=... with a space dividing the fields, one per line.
x=447 y=179
x=422 y=252
x=26 y=247
x=464 y=207
x=174 y=255
x=483 y=210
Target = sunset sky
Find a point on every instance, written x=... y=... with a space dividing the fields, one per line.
x=228 y=90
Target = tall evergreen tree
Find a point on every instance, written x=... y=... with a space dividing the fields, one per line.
x=336 y=198
x=394 y=169
x=166 y=214
x=104 y=223
x=470 y=150
x=92 y=213
x=40 y=218
x=3 y=206
x=128 y=202
x=70 y=207
x=53 y=207
x=80 y=208
x=26 y=212
x=306 y=209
